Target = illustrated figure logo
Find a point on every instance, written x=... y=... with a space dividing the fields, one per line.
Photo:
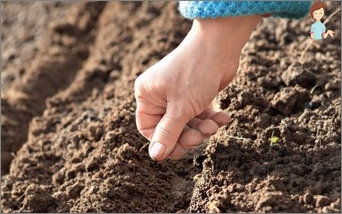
x=317 y=11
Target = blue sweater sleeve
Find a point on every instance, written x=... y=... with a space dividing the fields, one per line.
x=215 y=9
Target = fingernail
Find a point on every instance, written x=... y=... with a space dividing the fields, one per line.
x=157 y=150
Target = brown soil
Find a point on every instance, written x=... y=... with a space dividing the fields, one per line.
x=69 y=140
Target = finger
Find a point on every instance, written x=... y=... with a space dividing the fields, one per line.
x=167 y=133
x=194 y=122
x=207 y=127
x=146 y=124
x=206 y=114
x=221 y=118
x=177 y=153
x=190 y=138
x=147 y=116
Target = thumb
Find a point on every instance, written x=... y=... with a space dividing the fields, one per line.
x=167 y=133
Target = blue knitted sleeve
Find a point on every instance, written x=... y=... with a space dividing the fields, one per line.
x=215 y=9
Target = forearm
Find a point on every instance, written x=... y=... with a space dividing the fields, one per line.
x=218 y=34
x=218 y=42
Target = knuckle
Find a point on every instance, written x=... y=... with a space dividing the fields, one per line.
x=168 y=134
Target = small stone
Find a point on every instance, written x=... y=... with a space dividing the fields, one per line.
x=58 y=178
x=93 y=189
x=308 y=198
x=74 y=190
x=290 y=100
x=322 y=201
x=297 y=74
x=94 y=132
x=294 y=128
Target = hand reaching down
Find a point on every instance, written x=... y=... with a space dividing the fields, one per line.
x=174 y=96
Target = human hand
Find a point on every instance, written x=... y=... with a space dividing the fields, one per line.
x=331 y=33
x=173 y=106
x=174 y=96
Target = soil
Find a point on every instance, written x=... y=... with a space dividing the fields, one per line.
x=68 y=134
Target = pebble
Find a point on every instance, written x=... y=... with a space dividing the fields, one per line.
x=322 y=201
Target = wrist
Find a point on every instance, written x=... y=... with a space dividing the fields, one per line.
x=225 y=33
x=218 y=43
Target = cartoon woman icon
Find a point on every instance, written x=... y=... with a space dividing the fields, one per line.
x=317 y=11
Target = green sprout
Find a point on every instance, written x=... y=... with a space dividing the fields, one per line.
x=274 y=139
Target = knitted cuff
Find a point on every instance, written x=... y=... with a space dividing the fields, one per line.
x=215 y=9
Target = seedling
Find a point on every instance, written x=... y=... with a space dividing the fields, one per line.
x=273 y=139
